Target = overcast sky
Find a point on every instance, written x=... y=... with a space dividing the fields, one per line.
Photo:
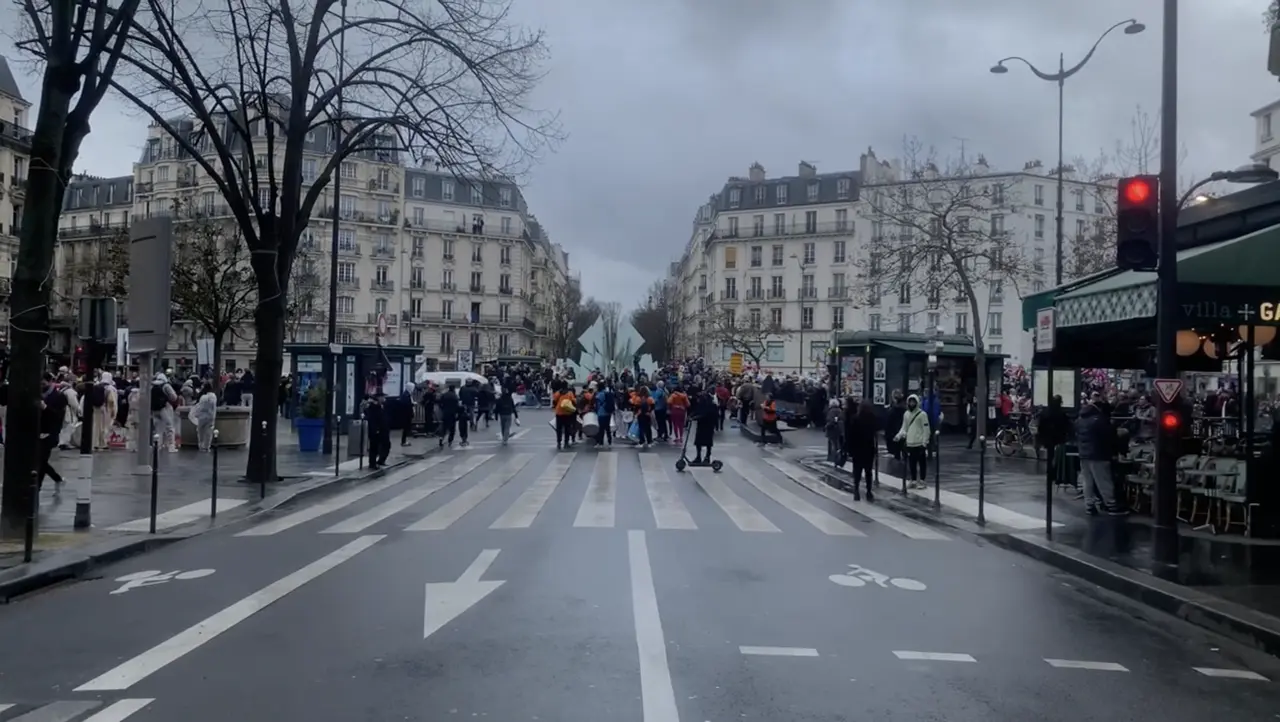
x=663 y=100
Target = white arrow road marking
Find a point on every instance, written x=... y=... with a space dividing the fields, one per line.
x=445 y=601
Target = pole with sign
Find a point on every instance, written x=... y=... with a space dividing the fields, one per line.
x=1046 y=327
x=150 y=298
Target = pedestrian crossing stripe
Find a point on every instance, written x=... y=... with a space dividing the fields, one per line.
x=68 y=710
x=596 y=508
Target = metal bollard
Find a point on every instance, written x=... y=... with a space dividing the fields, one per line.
x=337 y=447
x=213 y=492
x=360 y=449
x=155 y=479
x=937 y=469
x=262 y=484
x=876 y=466
x=1048 y=505
x=29 y=534
x=982 y=480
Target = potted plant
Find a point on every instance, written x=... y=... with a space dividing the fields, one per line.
x=310 y=422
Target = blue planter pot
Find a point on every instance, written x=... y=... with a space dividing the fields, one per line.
x=310 y=434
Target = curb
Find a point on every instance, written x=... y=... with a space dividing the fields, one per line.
x=754 y=435
x=1241 y=624
x=74 y=564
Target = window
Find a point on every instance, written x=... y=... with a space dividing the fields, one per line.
x=419 y=187
x=775 y=287
x=810 y=253
x=419 y=217
x=477 y=281
x=808 y=289
x=760 y=195
x=997 y=291
x=733 y=227
x=346 y=239
x=962 y=324
x=837 y=318
x=1078 y=196
x=446 y=189
x=309 y=172
x=415 y=308
x=818 y=350
x=842 y=219
x=775 y=255
x=504 y=197
x=347 y=206
x=446 y=276
x=506 y=226
x=753 y=318
x=813 y=192
x=730 y=289
x=447 y=245
x=380 y=275
x=935 y=322
x=838 y=250
x=504 y=282
x=873 y=322
x=997 y=195
x=775 y=351
x=904 y=323
x=995 y=348
x=419 y=247
x=780 y=194
x=997 y=224
x=842 y=189
x=1039 y=228
x=730 y=258
x=904 y=293
x=757 y=225
x=343 y=337
x=504 y=255
x=446 y=309
x=380 y=306
x=779 y=224
x=446 y=342
x=995 y=324
x=504 y=312
x=806 y=317
x=346 y=272
x=757 y=256
x=1039 y=195
x=775 y=317
x=346 y=305
x=477 y=195
x=735 y=197
x=1079 y=228
x=348 y=171
x=474 y=316
x=504 y=343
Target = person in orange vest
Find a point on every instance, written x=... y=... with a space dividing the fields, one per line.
x=643 y=404
x=566 y=410
x=769 y=420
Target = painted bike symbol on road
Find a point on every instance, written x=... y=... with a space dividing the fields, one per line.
x=153 y=577
x=858 y=576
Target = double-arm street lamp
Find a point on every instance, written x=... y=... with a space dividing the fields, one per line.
x=1131 y=27
x=1251 y=173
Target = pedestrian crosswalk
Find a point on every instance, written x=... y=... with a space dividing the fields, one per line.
x=80 y=710
x=513 y=489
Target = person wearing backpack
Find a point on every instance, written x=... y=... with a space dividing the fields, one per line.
x=566 y=410
x=163 y=401
x=914 y=434
x=103 y=400
x=605 y=407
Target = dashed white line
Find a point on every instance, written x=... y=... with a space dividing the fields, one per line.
x=934 y=657
x=1230 y=673
x=780 y=651
x=1081 y=664
x=657 y=695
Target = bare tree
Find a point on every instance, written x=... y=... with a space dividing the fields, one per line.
x=101 y=268
x=660 y=321
x=307 y=293
x=569 y=315
x=258 y=83
x=79 y=45
x=1271 y=15
x=213 y=284
x=749 y=336
x=940 y=231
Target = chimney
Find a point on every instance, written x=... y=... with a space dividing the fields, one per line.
x=756 y=173
x=807 y=169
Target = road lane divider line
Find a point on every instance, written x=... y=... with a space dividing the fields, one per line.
x=400 y=502
x=462 y=504
x=343 y=500
x=119 y=711
x=657 y=694
x=934 y=657
x=779 y=651
x=144 y=665
x=523 y=511
x=1082 y=664
x=745 y=516
x=1230 y=673
x=174 y=518
x=669 y=512
x=821 y=520
x=599 y=504
x=878 y=514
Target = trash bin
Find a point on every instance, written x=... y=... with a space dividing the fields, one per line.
x=356 y=439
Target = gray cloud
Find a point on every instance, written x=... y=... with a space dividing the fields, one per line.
x=663 y=100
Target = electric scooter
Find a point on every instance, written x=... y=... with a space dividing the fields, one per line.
x=683 y=462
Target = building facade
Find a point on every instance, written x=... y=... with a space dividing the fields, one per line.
x=447 y=263
x=792 y=252
x=1266 y=144
x=15 y=156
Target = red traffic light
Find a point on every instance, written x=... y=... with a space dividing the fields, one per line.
x=1137 y=191
x=1170 y=421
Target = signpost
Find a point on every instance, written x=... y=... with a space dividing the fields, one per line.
x=1045 y=327
x=150 y=286
x=1168 y=389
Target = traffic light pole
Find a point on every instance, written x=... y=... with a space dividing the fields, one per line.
x=1165 y=503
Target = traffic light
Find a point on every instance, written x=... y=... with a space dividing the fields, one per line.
x=1171 y=421
x=1138 y=223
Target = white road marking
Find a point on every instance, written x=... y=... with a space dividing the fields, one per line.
x=63 y=711
x=745 y=516
x=153 y=660
x=657 y=695
x=820 y=519
x=1230 y=673
x=459 y=506
x=599 y=503
x=349 y=465
x=523 y=511
x=4 y=707
x=669 y=512
x=934 y=657
x=446 y=601
x=1080 y=664
x=119 y=711
x=397 y=504
x=780 y=651
x=878 y=514
x=968 y=506
x=177 y=517
x=517 y=435
x=341 y=501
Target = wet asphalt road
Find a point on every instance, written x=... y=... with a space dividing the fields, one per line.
x=522 y=583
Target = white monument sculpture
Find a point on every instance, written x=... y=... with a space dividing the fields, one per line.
x=610 y=344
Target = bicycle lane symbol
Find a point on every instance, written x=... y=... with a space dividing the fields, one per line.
x=859 y=576
x=153 y=577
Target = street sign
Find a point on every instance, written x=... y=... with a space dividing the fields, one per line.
x=1168 y=389
x=445 y=601
x=735 y=364
x=150 y=284
x=1044 y=330
x=466 y=359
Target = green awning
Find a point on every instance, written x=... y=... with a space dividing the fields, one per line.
x=1033 y=303
x=927 y=347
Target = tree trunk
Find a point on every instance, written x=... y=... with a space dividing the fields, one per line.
x=217 y=365
x=269 y=323
x=29 y=309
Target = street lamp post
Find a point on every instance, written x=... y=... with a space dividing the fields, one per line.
x=330 y=367
x=1131 y=27
x=1164 y=501
x=1253 y=173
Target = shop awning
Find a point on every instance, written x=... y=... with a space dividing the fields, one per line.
x=1046 y=299
x=927 y=347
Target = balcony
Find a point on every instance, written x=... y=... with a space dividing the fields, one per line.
x=529 y=325
x=831 y=228
x=728 y=295
x=504 y=260
x=755 y=294
x=448 y=286
x=837 y=292
x=383 y=252
x=93 y=230
x=465 y=229
x=142 y=188
x=806 y=325
x=447 y=256
x=808 y=292
x=462 y=319
x=477 y=259
x=380 y=187
x=385 y=286
x=392 y=320
x=348 y=284
x=777 y=294
x=476 y=288
x=15 y=136
x=505 y=290
x=349 y=249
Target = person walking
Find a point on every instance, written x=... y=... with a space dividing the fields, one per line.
x=378 y=427
x=677 y=411
x=644 y=409
x=914 y=437
x=452 y=417
x=606 y=404
x=204 y=414
x=53 y=414
x=860 y=429
x=505 y=408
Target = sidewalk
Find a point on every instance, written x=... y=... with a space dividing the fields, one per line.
x=121 y=501
x=1229 y=584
